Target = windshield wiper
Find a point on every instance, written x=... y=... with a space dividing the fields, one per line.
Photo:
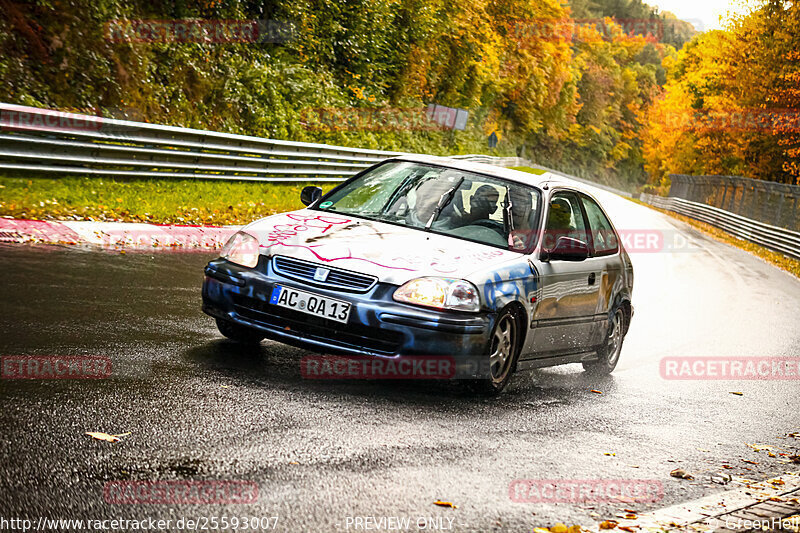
x=405 y=186
x=445 y=199
x=508 y=221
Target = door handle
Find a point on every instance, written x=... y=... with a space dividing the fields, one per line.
x=592 y=278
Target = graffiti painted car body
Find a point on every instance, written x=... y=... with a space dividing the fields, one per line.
x=429 y=256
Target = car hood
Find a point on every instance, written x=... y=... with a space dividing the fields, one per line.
x=394 y=254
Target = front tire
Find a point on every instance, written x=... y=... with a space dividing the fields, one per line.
x=503 y=353
x=239 y=333
x=608 y=354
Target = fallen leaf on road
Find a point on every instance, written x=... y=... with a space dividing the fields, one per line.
x=778 y=482
x=629 y=510
x=721 y=479
x=626 y=528
x=748 y=461
x=729 y=467
x=795 y=458
x=608 y=524
x=610 y=454
x=596 y=391
x=440 y=503
x=737 y=393
x=105 y=436
x=681 y=474
x=631 y=516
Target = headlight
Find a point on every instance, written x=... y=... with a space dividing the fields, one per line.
x=242 y=249
x=441 y=293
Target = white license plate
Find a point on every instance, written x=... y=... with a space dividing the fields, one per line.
x=312 y=304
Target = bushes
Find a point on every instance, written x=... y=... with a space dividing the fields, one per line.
x=572 y=104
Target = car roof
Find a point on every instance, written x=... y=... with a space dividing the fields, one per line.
x=526 y=178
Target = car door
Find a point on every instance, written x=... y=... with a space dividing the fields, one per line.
x=604 y=244
x=565 y=312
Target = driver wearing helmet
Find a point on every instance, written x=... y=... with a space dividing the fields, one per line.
x=482 y=204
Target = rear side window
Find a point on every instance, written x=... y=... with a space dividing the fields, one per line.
x=604 y=239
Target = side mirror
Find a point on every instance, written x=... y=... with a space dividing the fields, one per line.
x=567 y=249
x=310 y=194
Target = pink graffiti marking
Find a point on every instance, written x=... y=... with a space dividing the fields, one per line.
x=283 y=232
x=349 y=256
x=299 y=223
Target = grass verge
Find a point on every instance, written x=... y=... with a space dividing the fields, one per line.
x=775 y=258
x=530 y=170
x=154 y=200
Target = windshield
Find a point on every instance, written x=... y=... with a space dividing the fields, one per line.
x=443 y=200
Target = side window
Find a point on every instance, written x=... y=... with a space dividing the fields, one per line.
x=603 y=236
x=564 y=219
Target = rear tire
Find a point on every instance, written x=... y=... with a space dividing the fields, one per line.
x=608 y=354
x=503 y=353
x=238 y=333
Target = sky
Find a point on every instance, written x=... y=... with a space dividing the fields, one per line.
x=704 y=14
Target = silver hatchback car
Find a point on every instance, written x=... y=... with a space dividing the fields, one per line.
x=424 y=256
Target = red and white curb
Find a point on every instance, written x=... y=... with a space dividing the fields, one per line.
x=115 y=234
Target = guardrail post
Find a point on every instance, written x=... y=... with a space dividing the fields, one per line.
x=724 y=194
x=765 y=206
x=741 y=202
x=779 y=211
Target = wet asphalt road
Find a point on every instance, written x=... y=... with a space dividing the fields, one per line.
x=201 y=408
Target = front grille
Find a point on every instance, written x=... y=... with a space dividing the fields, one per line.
x=351 y=336
x=337 y=279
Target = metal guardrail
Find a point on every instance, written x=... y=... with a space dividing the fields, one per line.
x=45 y=141
x=766 y=201
x=772 y=237
x=494 y=160
x=591 y=183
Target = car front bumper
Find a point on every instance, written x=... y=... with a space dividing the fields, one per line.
x=377 y=326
